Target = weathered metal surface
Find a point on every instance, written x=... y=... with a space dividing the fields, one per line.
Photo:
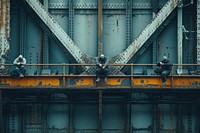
x=4 y=29
x=30 y=82
x=61 y=35
x=109 y=5
x=87 y=82
x=198 y=31
x=100 y=27
x=146 y=33
x=180 y=37
x=1 y=113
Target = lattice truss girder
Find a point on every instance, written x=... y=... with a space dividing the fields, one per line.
x=59 y=33
x=146 y=35
x=198 y=31
x=122 y=58
x=4 y=29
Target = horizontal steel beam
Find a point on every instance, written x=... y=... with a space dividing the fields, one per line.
x=88 y=82
x=105 y=6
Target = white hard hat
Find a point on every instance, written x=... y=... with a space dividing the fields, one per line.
x=102 y=56
x=165 y=57
x=20 y=56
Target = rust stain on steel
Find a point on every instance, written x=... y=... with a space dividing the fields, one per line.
x=30 y=81
x=85 y=82
x=7 y=18
x=184 y=81
x=100 y=45
x=5 y=15
x=117 y=82
x=141 y=81
x=1 y=14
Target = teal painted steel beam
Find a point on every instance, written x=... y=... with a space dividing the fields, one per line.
x=100 y=112
x=155 y=44
x=1 y=113
x=180 y=37
x=46 y=40
x=100 y=27
x=198 y=31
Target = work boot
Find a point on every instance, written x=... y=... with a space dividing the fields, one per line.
x=21 y=75
x=164 y=83
x=105 y=80
x=98 y=79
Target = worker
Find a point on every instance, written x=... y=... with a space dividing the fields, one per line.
x=102 y=68
x=163 y=69
x=20 y=61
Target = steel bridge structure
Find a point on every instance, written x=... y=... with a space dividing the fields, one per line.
x=61 y=40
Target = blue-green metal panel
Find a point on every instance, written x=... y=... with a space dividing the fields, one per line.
x=141 y=18
x=141 y=118
x=56 y=53
x=33 y=45
x=114 y=33
x=85 y=28
x=189 y=38
x=57 y=56
x=13 y=119
x=85 y=116
x=167 y=43
x=32 y=121
x=58 y=116
x=190 y=118
x=167 y=116
x=85 y=31
x=14 y=33
x=113 y=117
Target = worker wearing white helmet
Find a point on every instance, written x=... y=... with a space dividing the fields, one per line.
x=20 y=61
x=163 y=69
x=102 y=68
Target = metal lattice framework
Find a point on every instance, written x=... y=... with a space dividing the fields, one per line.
x=59 y=33
x=198 y=31
x=138 y=45
x=151 y=28
x=4 y=29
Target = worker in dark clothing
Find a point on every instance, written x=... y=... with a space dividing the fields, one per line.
x=20 y=61
x=163 y=69
x=102 y=68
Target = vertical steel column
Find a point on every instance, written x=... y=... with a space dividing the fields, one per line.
x=100 y=25
x=198 y=118
x=22 y=30
x=21 y=112
x=71 y=118
x=155 y=11
x=189 y=118
x=100 y=112
x=128 y=22
x=179 y=118
x=44 y=118
x=1 y=113
x=46 y=40
x=180 y=37
x=198 y=31
x=71 y=19
x=130 y=118
x=4 y=29
x=154 y=118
